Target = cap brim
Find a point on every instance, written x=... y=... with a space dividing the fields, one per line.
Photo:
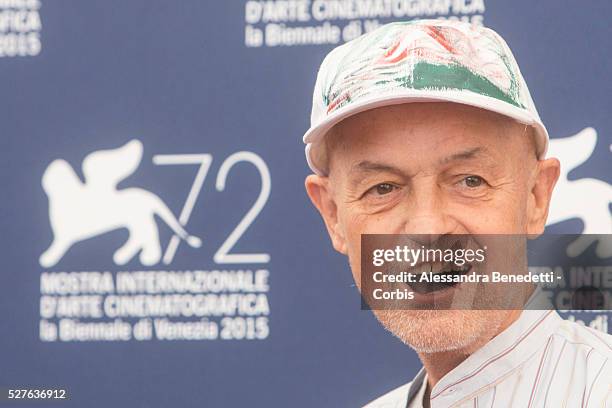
x=316 y=133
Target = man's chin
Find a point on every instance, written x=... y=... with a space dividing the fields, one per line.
x=436 y=331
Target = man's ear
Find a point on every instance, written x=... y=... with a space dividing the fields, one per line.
x=320 y=194
x=547 y=173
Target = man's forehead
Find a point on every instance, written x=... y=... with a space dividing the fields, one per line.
x=432 y=134
x=437 y=120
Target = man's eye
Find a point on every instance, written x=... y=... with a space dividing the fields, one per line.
x=382 y=188
x=473 y=181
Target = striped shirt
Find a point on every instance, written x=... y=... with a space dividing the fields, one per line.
x=541 y=360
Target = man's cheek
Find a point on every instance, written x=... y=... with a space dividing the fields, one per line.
x=354 y=223
x=497 y=219
x=511 y=210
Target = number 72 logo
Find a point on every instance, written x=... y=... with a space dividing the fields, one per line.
x=83 y=209
x=222 y=255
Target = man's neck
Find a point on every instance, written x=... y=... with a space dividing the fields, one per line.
x=437 y=365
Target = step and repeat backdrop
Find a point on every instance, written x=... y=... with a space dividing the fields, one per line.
x=158 y=248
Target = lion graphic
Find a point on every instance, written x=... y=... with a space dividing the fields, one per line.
x=587 y=199
x=78 y=211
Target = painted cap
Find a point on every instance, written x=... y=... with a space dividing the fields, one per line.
x=419 y=61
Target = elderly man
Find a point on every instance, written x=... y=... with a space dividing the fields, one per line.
x=428 y=127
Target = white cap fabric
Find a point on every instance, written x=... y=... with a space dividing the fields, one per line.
x=419 y=61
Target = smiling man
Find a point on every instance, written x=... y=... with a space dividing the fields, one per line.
x=427 y=127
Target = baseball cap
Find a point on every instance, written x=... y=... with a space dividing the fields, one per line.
x=419 y=61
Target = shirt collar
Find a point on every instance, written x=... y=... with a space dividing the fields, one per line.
x=416 y=386
x=501 y=355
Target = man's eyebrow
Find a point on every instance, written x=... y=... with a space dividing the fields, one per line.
x=366 y=166
x=464 y=155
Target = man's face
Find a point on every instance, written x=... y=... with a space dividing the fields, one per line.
x=431 y=168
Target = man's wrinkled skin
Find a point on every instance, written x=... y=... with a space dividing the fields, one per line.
x=432 y=168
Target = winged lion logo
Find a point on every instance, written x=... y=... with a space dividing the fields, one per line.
x=587 y=199
x=81 y=210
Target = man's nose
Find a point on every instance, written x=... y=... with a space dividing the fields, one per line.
x=427 y=215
